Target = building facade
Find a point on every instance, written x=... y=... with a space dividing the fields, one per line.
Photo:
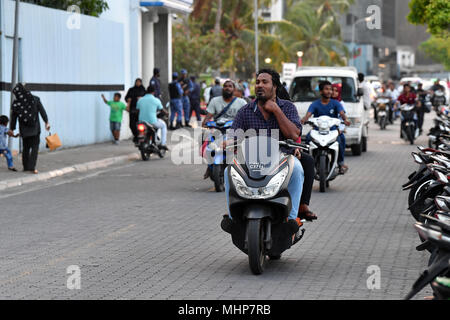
x=390 y=51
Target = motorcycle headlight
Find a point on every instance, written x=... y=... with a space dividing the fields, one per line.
x=270 y=190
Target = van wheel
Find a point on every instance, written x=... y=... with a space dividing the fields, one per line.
x=357 y=149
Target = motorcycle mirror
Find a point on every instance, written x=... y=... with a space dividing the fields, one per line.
x=442 y=178
x=417 y=158
x=440 y=203
x=421 y=230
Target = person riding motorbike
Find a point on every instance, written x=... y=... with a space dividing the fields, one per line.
x=332 y=108
x=223 y=109
x=148 y=107
x=407 y=97
x=269 y=112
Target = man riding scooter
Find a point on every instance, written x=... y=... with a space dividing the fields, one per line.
x=223 y=109
x=268 y=113
x=332 y=108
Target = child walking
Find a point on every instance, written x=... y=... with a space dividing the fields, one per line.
x=4 y=131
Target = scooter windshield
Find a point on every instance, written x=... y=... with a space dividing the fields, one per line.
x=261 y=155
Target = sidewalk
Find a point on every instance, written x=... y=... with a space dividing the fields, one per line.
x=79 y=159
x=65 y=161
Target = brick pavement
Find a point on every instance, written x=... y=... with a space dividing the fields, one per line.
x=151 y=231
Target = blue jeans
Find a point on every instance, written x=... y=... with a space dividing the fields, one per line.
x=342 y=142
x=176 y=107
x=160 y=124
x=9 y=159
x=186 y=108
x=295 y=188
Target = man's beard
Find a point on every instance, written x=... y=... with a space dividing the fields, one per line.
x=326 y=96
x=227 y=95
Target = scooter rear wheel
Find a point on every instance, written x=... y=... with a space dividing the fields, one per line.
x=256 y=256
x=145 y=155
x=218 y=178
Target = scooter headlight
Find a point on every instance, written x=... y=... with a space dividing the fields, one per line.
x=272 y=188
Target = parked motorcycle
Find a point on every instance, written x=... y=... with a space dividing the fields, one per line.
x=149 y=139
x=440 y=132
x=216 y=157
x=409 y=129
x=324 y=148
x=437 y=275
x=430 y=192
x=260 y=202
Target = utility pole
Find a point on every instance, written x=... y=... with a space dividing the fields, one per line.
x=256 y=37
x=14 y=62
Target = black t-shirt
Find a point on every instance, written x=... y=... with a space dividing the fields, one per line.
x=133 y=94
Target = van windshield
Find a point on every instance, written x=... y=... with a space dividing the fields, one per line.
x=307 y=88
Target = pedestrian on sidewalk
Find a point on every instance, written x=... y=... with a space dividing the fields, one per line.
x=132 y=97
x=195 y=100
x=156 y=83
x=115 y=118
x=4 y=131
x=187 y=87
x=176 y=105
x=27 y=108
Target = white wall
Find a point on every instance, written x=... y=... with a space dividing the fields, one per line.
x=52 y=53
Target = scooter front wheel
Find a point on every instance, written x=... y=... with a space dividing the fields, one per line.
x=256 y=256
x=323 y=173
x=411 y=134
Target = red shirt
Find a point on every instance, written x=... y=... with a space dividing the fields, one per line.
x=410 y=99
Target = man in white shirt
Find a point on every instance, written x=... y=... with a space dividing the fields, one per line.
x=367 y=90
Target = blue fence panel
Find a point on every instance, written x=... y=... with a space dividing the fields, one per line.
x=52 y=53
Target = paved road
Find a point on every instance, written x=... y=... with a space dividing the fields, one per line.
x=151 y=231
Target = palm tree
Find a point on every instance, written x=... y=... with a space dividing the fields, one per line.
x=304 y=31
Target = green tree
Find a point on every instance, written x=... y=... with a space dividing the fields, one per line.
x=304 y=31
x=88 y=7
x=438 y=49
x=434 y=13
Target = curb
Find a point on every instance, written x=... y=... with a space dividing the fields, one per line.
x=83 y=167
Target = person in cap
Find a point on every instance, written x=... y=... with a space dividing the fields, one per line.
x=216 y=90
x=176 y=104
x=194 y=99
x=156 y=83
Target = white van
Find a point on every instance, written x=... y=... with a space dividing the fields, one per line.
x=304 y=89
